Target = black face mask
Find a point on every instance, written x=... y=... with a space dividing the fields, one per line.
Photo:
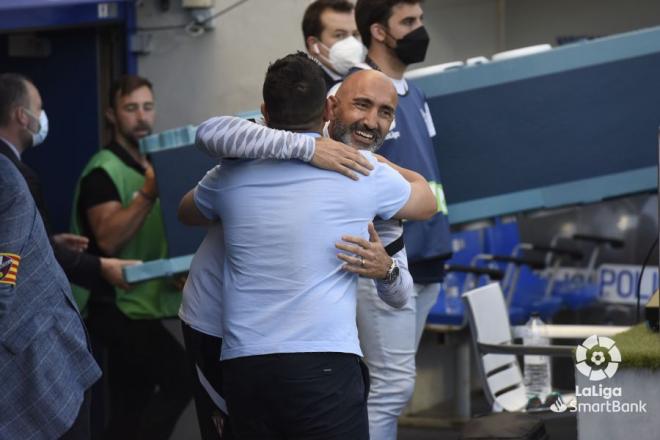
x=412 y=47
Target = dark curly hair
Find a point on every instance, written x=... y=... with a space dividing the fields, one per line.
x=294 y=92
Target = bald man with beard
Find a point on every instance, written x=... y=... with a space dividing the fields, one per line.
x=291 y=355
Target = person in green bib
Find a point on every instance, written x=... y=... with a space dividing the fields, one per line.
x=116 y=205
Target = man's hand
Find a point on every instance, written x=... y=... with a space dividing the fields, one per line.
x=150 y=188
x=179 y=281
x=111 y=270
x=335 y=156
x=73 y=242
x=367 y=258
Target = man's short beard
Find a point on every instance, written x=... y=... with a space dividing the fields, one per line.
x=341 y=132
x=132 y=139
x=133 y=142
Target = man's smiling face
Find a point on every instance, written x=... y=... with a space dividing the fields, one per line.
x=363 y=109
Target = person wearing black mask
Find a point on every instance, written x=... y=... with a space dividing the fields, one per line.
x=394 y=33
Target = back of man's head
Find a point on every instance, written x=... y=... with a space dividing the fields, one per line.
x=294 y=93
x=13 y=93
x=368 y=12
x=126 y=85
x=312 y=25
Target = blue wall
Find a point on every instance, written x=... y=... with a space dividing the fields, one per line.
x=68 y=83
x=575 y=124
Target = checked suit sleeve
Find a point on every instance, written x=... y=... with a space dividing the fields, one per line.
x=17 y=211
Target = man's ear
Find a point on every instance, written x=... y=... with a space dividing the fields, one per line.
x=326 y=110
x=21 y=117
x=312 y=45
x=110 y=116
x=378 y=32
x=264 y=112
x=331 y=104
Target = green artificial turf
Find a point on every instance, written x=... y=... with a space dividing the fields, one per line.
x=640 y=348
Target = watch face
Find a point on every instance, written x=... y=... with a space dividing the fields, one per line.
x=392 y=274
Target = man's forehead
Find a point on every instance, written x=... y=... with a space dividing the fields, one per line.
x=378 y=89
x=375 y=94
x=141 y=94
x=403 y=10
x=334 y=20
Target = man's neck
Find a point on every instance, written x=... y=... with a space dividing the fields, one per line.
x=131 y=149
x=386 y=60
x=13 y=140
x=315 y=130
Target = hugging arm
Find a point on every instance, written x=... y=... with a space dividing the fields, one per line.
x=422 y=203
x=233 y=137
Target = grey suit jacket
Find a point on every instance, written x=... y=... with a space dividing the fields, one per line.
x=45 y=361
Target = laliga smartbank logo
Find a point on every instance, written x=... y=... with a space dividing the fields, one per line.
x=598 y=359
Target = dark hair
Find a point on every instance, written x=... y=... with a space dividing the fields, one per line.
x=368 y=12
x=126 y=85
x=13 y=93
x=311 y=24
x=294 y=92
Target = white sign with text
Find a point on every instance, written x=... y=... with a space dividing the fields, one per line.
x=617 y=282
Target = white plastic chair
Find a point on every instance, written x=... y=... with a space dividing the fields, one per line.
x=496 y=354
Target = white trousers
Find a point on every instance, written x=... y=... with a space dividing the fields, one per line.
x=389 y=339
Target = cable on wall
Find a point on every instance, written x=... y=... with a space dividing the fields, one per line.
x=191 y=26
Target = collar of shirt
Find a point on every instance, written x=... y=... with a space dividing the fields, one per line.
x=12 y=147
x=312 y=133
x=125 y=157
x=331 y=74
x=401 y=85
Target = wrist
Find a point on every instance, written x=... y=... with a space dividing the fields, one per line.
x=150 y=198
x=392 y=273
x=309 y=149
x=387 y=270
x=103 y=266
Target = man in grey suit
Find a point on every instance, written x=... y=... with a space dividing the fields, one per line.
x=46 y=366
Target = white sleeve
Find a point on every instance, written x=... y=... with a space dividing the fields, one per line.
x=399 y=292
x=229 y=136
x=205 y=193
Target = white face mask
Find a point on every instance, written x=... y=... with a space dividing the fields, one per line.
x=40 y=135
x=345 y=54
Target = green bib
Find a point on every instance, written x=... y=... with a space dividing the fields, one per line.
x=149 y=299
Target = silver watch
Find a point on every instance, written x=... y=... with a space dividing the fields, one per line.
x=392 y=273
